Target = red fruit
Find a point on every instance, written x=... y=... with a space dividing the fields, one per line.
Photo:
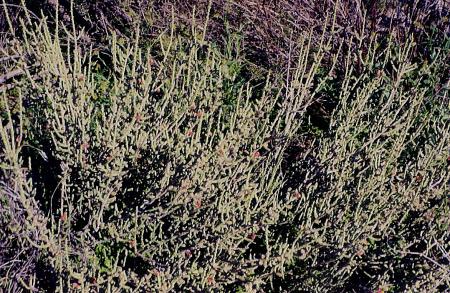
x=197 y=203
x=256 y=155
x=84 y=146
x=138 y=117
x=419 y=178
x=210 y=280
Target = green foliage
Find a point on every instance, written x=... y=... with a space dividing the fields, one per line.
x=104 y=258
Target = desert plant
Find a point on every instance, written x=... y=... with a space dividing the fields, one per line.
x=167 y=170
x=160 y=168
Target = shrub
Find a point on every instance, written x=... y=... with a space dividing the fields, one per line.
x=161 y=168
x=168 y=171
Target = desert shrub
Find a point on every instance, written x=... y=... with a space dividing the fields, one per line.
x=268 y=30
x=157 y=175
x=369 y=218
x=164 y=168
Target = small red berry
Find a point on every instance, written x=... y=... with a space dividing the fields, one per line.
x=419 y=178
x=63 y=217
x=138 y=117
x=210 y=280
x=197 y=203
x=85 y=146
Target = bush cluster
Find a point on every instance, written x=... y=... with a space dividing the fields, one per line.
x=167 y=165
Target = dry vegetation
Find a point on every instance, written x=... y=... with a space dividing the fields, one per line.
x=203 y=155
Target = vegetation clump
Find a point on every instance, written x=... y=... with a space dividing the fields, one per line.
x=134 y=159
